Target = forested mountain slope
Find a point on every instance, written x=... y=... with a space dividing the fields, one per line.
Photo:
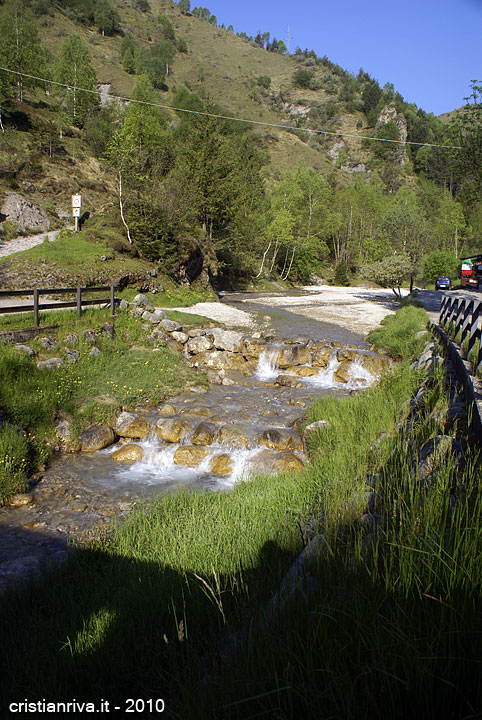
x=205 y=198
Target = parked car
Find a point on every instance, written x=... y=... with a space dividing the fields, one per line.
x=443 y=282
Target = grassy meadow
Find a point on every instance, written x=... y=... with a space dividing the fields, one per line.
x=192 y=600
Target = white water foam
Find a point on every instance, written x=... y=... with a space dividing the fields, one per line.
x=268 y=364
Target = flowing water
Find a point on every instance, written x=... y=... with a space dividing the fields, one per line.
x=81 y=493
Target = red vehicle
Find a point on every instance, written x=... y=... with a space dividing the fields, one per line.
x=472 y=272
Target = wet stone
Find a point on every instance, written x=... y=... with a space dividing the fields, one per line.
x=190 y=455
x=128 y=453
x=204 y=434
x=221 y=465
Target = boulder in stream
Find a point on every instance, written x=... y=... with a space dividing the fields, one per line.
x=96 y=437
x=130 y=453
x=221 y=465
x=172 y=429
x=130 y=425
x=204 y=434
x=270 y=461
x=281 y=439
x=190 y=455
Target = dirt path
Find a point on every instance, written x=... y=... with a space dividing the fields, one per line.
x=25 y=243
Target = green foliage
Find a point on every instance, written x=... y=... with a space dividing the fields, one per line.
x=74 y=68
x=441 y=262
x=263 y=81
x=303 y=78
x=341 y=273
x=398 y=333
x=105 y=17
x=391 y=272
x=20 y=49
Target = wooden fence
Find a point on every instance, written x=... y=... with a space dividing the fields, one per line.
x=464 y=316
x=80 y=301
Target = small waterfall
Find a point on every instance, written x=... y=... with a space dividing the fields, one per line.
x=268 y=364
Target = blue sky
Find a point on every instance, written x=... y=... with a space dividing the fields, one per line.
x=430 y=50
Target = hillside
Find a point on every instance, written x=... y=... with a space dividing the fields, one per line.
x=48 y=153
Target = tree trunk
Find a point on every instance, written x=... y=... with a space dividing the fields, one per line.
x=121 y=206
x=262 y=261
x=1 y=124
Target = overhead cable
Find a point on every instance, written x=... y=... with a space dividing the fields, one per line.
x=236 y=119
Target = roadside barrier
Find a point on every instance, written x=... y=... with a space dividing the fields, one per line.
x=461 y=318
x=79 y=302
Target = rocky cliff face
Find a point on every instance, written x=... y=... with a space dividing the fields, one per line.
x=389 y=113
x=25 y=215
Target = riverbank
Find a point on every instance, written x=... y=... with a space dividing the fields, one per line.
x=358 y=309
x=202 y=600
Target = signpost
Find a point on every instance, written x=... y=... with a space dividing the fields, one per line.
x=76 y=205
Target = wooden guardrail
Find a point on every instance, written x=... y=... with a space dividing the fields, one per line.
x=463 y=317
x=79 y=302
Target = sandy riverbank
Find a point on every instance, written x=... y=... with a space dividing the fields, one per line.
x=357 y=309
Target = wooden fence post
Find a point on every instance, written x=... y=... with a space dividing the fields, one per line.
x=35 y=307
x=79 y=301
x=474 y=328
x=112 y=300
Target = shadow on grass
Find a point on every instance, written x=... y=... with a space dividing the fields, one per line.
x=108 y=627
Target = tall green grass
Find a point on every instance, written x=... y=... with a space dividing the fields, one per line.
x=398 y=333
x=92 y=390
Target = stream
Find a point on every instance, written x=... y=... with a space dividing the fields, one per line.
x=80 y=494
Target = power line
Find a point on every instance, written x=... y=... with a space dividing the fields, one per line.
x=228 y=117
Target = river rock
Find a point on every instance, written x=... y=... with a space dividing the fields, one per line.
x=108 y=330
x=197 y=332
x=150 y=317
x=221 y=465
x=95 y=352
x=305 y=371
x=160 y=313
x=237 y=436
x=132 y=426
x=199 y=411
x=228 y=340
x=49 y=364
x=346 y=354
x=62 y=429
x=253 y=347
x=96 y=437
x=199 y=344
x=173 y=345
x=314 y=427
x=168 y=409
x=321 y=357
x=26 y=349
x=288 y=381
x=204 y=434
x=21 y=499
x=179 y=337
x=71 y=356
x=170 y=325
x=270 y=461
x=374 y=364
x=128 y=453
x=281 y=439
x=294 y=355
x=221 y=359
x=142 y=301
x=190 y=455
x=342 y=372
x=90 y=336
x=71 y=340
x=172 y=430
x=47 y=342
